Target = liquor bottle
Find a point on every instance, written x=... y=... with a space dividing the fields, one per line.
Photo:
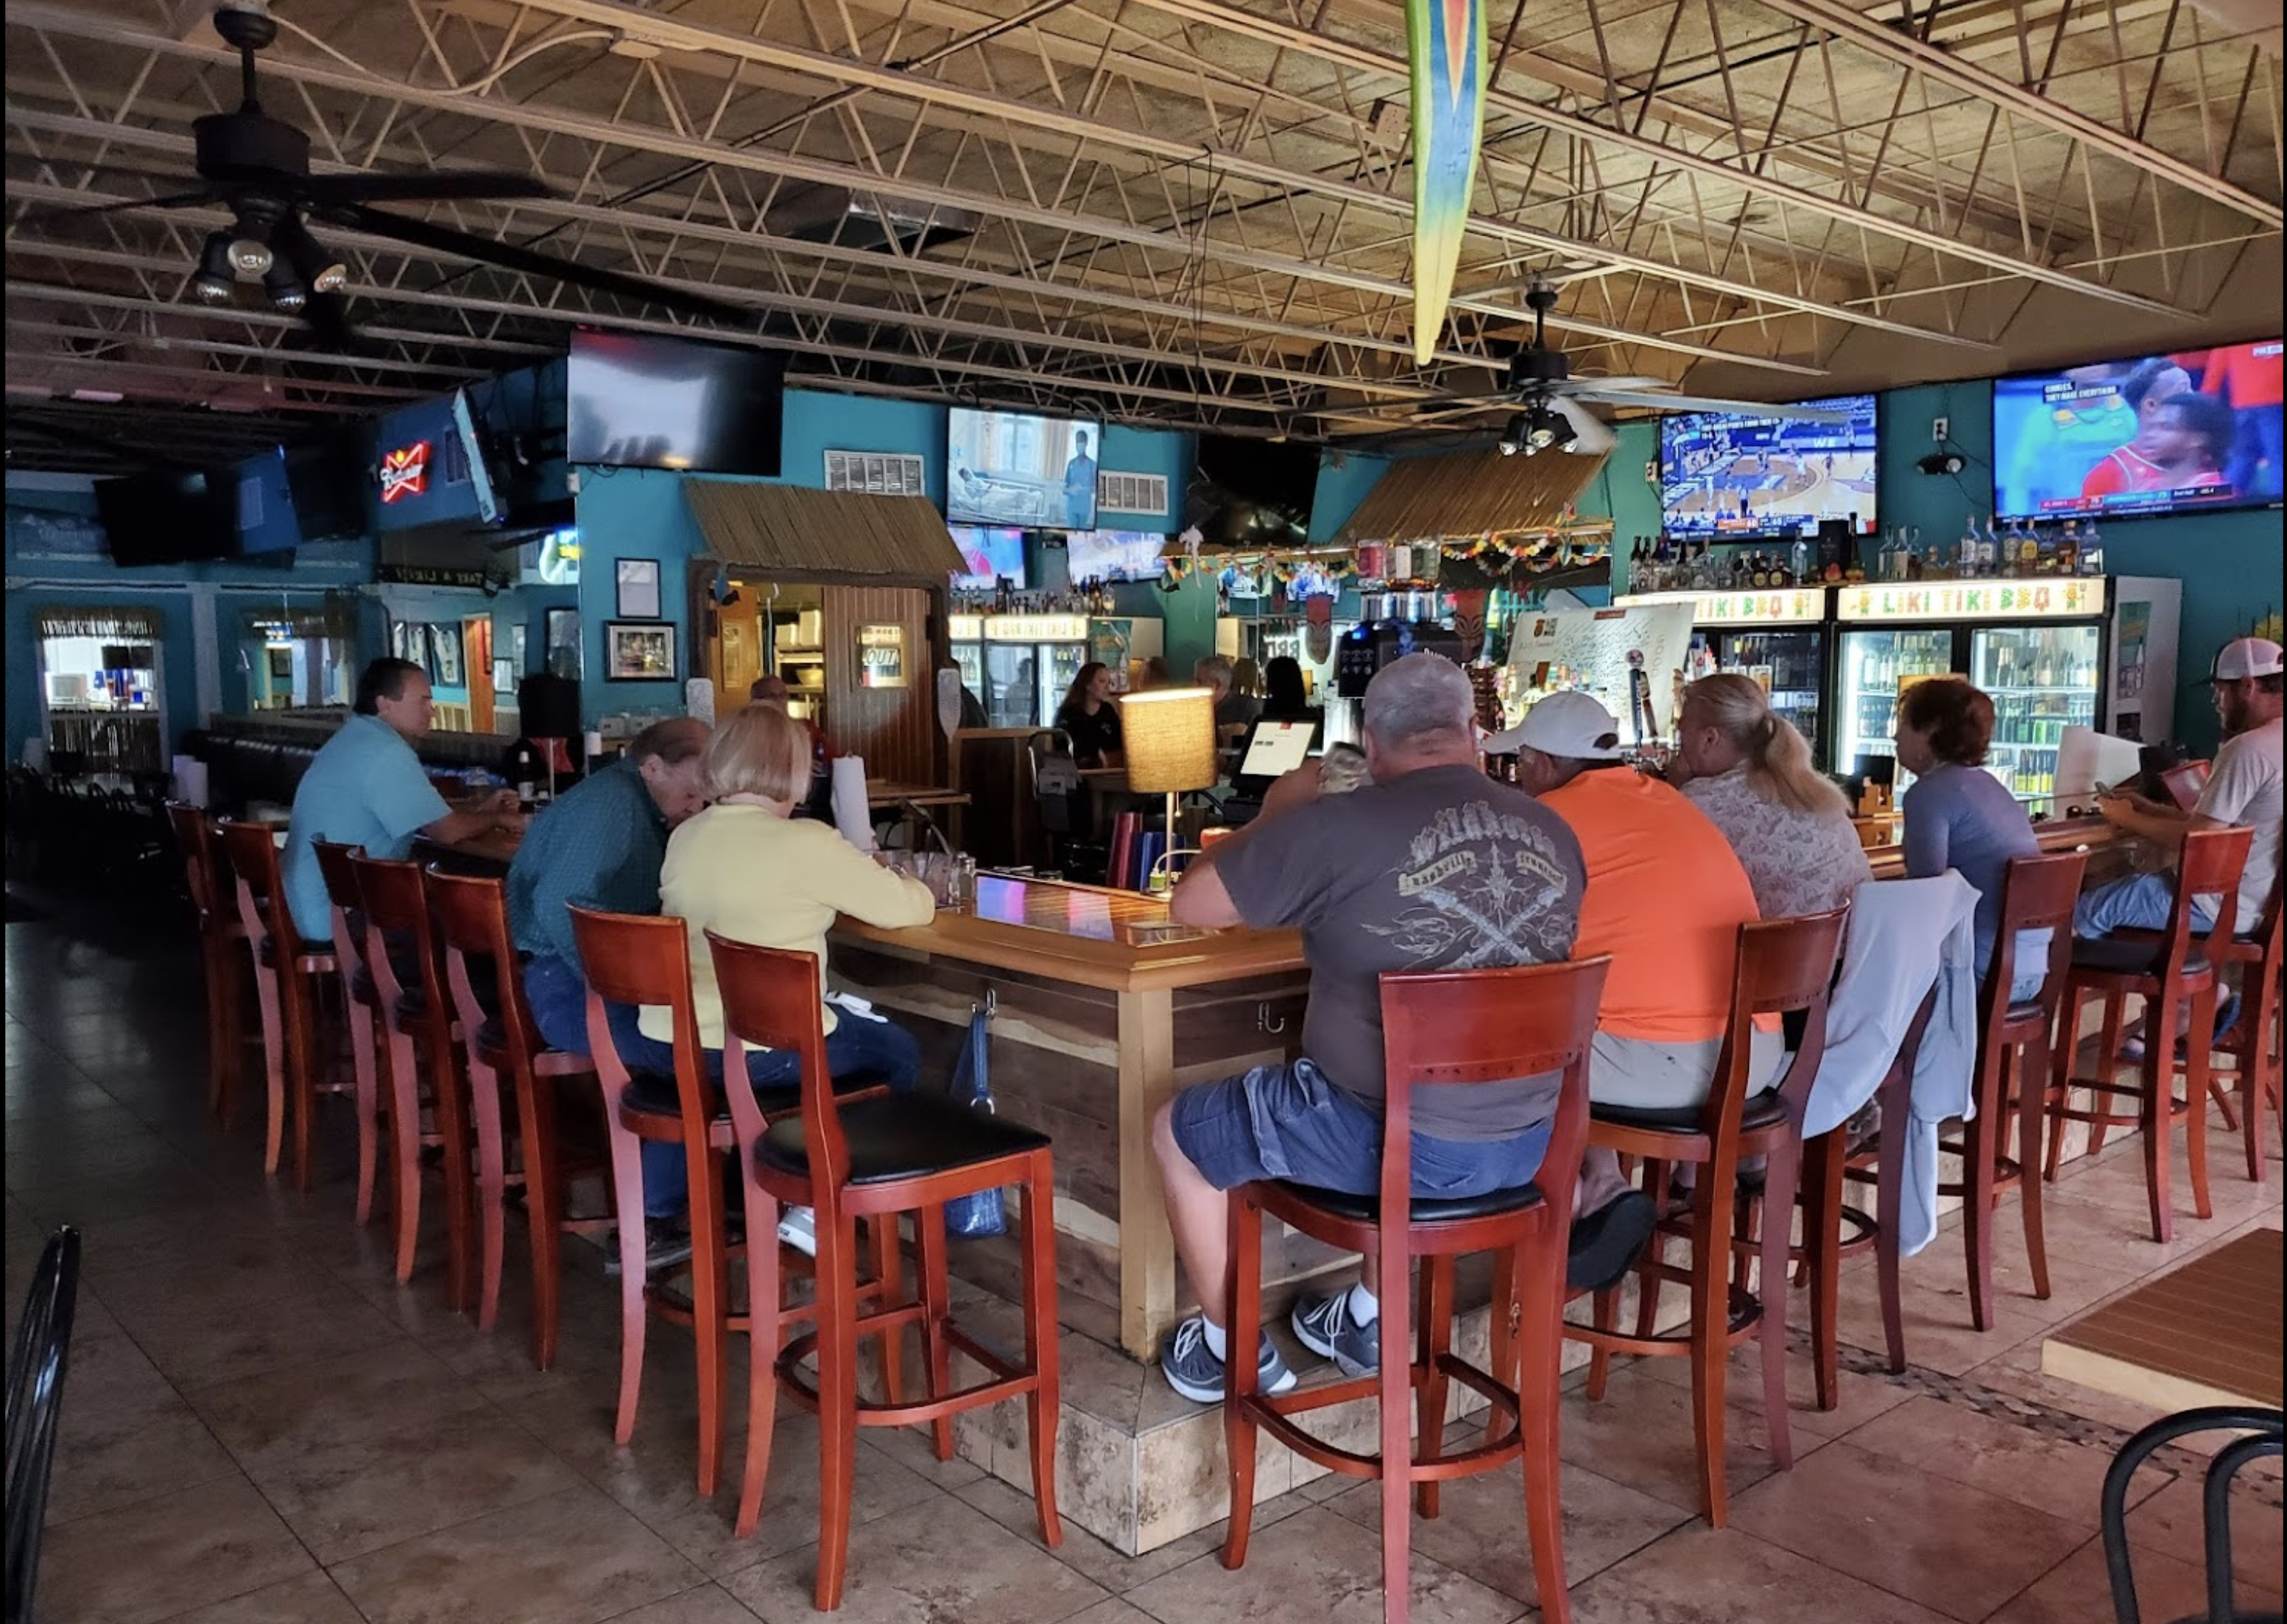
x=2029 y=551
x=1800 y=572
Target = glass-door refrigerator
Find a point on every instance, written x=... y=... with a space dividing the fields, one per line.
x=1030 y=662
x=2051 y=653
x=966 y=633
x=1777 y=634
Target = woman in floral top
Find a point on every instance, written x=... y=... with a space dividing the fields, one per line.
x=1750 y=772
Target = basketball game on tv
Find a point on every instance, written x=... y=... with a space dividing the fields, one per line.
x=1733 y=477
x=2158 y=433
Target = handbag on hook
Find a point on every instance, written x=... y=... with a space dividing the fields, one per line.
x=979 y=1215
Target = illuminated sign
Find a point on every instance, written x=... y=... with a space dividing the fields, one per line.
x=965 y=629
x=1035 y=628
x=1752 y=606
x=2062 y=598
x=405 y=472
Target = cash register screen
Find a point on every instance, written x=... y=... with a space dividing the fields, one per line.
x=1275 y=747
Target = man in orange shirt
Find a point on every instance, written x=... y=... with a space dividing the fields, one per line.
x=1666 y=898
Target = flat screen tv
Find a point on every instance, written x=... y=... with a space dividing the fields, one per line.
x=331 y=486
x=669 y=403
x=992 y=552
x=1012 y=468
x=1115 y=554
x=179 y=515
x=1248 y=490
x=1739 y=477
x=2157 y=434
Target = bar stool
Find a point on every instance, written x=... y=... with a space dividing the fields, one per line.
x=287 y=974
x=336 y=863
x=480 y=958
x=2254 y=1044
x=873 y=1158
x=1783 y=965
x=645 y=959
x=2166 y=974
x=220 y=931
x=420 y=1034
x=1441 y=1029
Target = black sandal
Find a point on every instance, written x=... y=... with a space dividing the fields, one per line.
x=1606 y=1243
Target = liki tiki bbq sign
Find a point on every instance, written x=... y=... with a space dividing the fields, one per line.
x=404 y=472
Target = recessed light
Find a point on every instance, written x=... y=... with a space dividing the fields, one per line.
x=105 y=397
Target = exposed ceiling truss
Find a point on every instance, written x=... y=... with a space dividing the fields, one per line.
x=1191 y=212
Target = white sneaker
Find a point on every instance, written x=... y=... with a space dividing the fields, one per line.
x=798 y=1228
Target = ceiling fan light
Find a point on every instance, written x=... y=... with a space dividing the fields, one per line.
x=1513 y=436
x=249 y=258
x=286 y=290
x=210 y=284
x=331 y=278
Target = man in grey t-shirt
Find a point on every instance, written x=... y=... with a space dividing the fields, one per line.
x=1431 y=866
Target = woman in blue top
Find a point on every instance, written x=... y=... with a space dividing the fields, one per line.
x=1961 y=818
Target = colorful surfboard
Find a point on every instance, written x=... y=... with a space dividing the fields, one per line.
x=1445 y=40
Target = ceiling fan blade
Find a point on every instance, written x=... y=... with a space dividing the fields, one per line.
x=337 y=191
x=1580 y=385
x=511 y=257
x=178 y=199
x=1458 y=405
x=1591 y=436
x=1693 y=403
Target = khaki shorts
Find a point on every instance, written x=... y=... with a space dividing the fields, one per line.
x=1642 y=1076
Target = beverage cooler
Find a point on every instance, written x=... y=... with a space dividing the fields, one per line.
x=1020 y=666
x=2095 y=651
x=1777 y=634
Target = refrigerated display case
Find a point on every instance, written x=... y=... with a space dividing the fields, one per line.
x=966 y=633
x=1777 y=634
x=1029 y=661
x=2052 y=652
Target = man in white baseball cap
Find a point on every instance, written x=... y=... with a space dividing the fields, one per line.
x=2243 y=792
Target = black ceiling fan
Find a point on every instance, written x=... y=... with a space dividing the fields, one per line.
x=259 y=167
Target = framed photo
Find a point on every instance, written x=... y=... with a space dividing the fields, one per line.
x=639 y=589
x=564 y=651
x=409 y=639
x=635 y=652
x=281 y=665
x=515 y=647
x=445 y=649
x=504 y=676
x=881 y=656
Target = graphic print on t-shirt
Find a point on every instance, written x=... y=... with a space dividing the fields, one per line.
x=1480 y=887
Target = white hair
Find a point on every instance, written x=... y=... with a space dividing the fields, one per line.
x=1418 y=698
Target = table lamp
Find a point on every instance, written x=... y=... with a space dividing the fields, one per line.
x=1167 y=740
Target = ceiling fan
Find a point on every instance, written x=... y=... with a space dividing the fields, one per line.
x=259 y=167
x=1547 y=403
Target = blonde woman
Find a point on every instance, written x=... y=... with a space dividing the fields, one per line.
x=1749 y=770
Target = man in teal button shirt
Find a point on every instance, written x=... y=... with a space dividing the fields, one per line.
x=367 y=788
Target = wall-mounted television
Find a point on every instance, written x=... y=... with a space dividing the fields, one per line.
x=992 y=552
x=178 y=516
x=2151 y=435
x=1742 y=476
x=1250 y=491
x=331 y=485
x=668 y=403
x=1115 y=554
x=1013 y=469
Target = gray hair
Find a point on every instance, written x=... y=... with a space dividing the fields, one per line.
x=1215 y=668
x=1418 y=698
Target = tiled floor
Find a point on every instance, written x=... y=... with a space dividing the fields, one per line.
x=262 y=1427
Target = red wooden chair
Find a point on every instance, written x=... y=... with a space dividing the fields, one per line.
x=487 y=982
x=220 y=931
x=1443 y=1029
x=287 y=974
x=1783 y=965
x=2254 y=1044
x=337 y=864
x=873 y=1159
x=420 y=1034
x=2174 y=972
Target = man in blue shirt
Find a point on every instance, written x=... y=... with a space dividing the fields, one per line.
x=600 y=846
x=367 y=788
x=1080 y=482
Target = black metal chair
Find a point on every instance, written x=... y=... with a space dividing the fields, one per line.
x=2262 y=1430
x=36 y=1392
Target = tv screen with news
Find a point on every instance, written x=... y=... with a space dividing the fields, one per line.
x=1743 y=476
x=991 y=553
x=1115 y=554
x=2156 y=434
x=639 y=402
x=1011 y=468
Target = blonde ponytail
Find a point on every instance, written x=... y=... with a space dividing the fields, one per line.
x=1779 y=757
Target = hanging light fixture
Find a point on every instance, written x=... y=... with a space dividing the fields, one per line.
x=210 y=284
x=318 y=269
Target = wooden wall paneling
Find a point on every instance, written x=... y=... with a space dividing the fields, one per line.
x=895 y=730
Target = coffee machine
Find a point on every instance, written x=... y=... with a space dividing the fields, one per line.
x=1394 y=624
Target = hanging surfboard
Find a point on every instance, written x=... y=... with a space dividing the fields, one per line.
x=1445 y=41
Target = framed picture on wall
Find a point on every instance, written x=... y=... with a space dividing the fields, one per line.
x=638 y=584
x=504 y=677
x=281 y=665
x=515 y=647
x=445 y=645
x=634 y=651
x=408 y=640
x=564 y=647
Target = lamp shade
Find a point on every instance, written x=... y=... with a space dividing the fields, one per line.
x=1167 y=740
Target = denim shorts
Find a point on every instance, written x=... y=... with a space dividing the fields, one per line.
x=1289 y=1122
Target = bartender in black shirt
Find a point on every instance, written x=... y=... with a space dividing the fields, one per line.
x=1091 y=717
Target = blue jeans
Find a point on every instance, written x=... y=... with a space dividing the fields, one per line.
x=558 y=994
x=2139 y=902
x=856 y=1044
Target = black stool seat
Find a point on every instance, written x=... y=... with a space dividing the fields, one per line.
x=894 y=1137
x=1763 y=1110
x=1367 y=1209
x=2108 y=956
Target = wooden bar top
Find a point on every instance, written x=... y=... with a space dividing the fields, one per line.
x=1115 y=939
x=2054 y=834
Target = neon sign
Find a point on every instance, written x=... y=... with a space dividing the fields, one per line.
x=405 y=472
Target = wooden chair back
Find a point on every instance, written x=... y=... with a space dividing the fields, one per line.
x=774 y=999
x=252 y=852
x=2037 y=893
x=2210 y=864
x=471 y=915
x=645 y=959
x=1783 y=966
x=338 y=862
x=194 y=837
x=389 y=895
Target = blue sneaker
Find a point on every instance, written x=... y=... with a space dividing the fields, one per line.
x=1326 y=1326
x=1192 y=1370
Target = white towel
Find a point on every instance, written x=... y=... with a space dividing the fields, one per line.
x=190 y=781
x=852 y=814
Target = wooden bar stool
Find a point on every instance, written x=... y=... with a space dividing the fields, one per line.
x=221 y=932
x=645 y=959
x=1783 y=965
x=336 y=863
x=873 y=1158
x=487 y=982
x=420 y=1035
x=1440 y=1029
x=2176 y=970
x=2254 y=1044
x=287 y=974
